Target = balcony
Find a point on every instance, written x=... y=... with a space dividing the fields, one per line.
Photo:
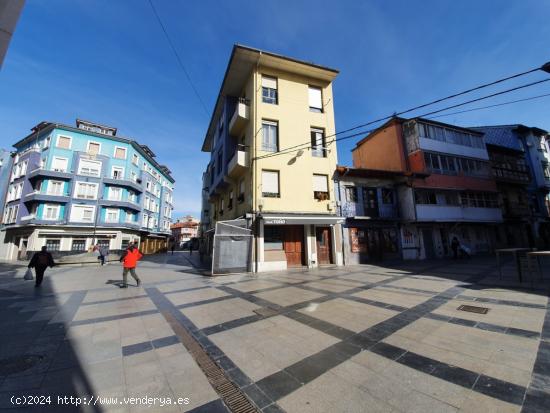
x=240 y=117
x=40 y=172
x=516 y=210
x=357 y=210
x=48 y=197
x=238 y=163
x=120 y=204
x=511 y=175
x=451 y=213
x=127 y=183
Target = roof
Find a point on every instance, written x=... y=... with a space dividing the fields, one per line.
x=507 y=136
x=184 y=225
x=346 y=171
x=242 y=61
x=46 y=127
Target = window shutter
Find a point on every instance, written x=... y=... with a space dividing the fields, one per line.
x=270 y=182
x=315 y=99
x=269 y=82
x=320 y=183
x=120 y=153
x=63 y=142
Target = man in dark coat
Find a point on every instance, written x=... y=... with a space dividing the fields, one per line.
x=40 y=261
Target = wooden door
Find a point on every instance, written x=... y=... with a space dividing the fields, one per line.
x=324 y=245
x=294 y=245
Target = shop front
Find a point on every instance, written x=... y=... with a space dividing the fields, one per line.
x=298 y=242
x=370 y=242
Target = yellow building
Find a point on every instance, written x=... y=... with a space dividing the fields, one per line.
x=272 y=162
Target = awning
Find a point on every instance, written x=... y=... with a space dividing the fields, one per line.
x=301 y=219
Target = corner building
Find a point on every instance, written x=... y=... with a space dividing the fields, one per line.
x=73 y=186
x=269 y=103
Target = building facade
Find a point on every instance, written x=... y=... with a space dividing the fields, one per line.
x=367 y=199
x=450 y=191
x=184 y=229
x=267 y=104
x=521 y=165
x=71 y=187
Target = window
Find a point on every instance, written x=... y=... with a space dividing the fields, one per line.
x=51 y=212
x=46 y=142
x=144 y=220
x=240 y=198
x=387 y=196
x=124 y=244
x=93 y=148
x=89 y=168
x=545 y=170
x=111 y=215
x=230 y=203
x=132 y=196
x=270 y=136
x=115 y=194
x=53 y=244
x=273 y=238
x=148 y=185
x=63 y=142
x=23 y=168
x=351 y=194
x=133 y=176
x=86 y=190
x=146 y=203
x=118 y=172
x=315 y=99
x=220 y=160
x=451 y=198
x=55 y=188
x=130 y=217
x=120 y=153
x=59 y=164
x=82 y=213
x=270 y=184
x=269 y=90
x=425 y=197
x=318 y=143
x=135 y=159
x=78 y=245
x=320 y=187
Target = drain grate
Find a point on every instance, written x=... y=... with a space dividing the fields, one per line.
x=232 y=396
x=18 y=364
x=266 y=312
x=473 y=309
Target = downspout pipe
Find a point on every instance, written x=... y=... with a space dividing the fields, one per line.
x=255 y=177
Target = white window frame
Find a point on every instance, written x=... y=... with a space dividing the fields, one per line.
x=277 y=193
x=49 y=190
x=78 y=183
x=112 y=210
x=135 y=159
x=54 y=207
x=64 y=136
x=125 y=152
x=312 y=99
x=82 y=207
x=82 y=160
x=115 y=167
x=94 y=142
x=60 y=158
x=112 y=190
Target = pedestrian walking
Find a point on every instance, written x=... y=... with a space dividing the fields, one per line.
x=103 y=253
x=454 y=246
x=40 y=261
x=129 y=263
x=173 y=247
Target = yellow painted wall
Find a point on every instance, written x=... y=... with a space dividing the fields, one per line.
x=295 y=122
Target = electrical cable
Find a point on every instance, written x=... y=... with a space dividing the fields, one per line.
x=178 y=57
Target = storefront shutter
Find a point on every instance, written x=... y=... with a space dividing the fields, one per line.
x=270 y=182
x=269 y=82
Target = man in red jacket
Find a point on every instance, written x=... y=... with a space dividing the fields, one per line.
x=129 y=261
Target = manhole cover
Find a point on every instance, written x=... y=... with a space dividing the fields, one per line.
x=18 y=364
x=266 y=312
x=473 y=309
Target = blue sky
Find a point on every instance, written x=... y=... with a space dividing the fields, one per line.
x=107 y=61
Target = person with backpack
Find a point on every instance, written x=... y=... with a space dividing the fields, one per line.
x=40 y=261
x=129 y=262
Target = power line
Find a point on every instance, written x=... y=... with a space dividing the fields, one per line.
x=306 y=144
x=490 y=106
x=178 y=57
x=545 y=68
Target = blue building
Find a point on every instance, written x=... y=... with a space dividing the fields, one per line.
x=73 y=186
x=520 y=160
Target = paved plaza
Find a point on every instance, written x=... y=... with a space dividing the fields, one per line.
x=370 y=338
